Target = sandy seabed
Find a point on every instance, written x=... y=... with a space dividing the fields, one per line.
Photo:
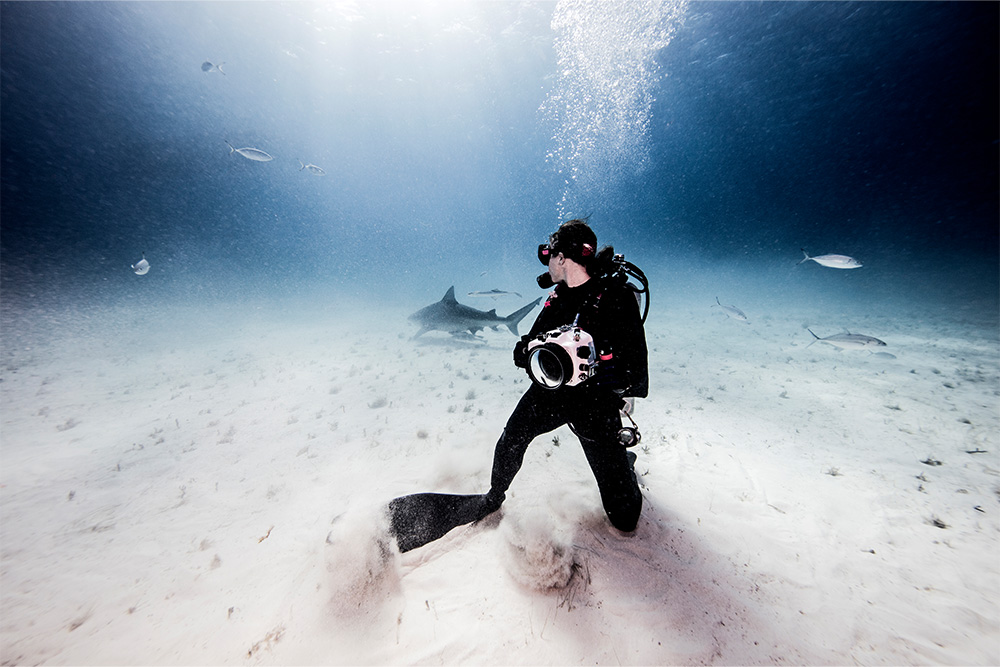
x=204 y=486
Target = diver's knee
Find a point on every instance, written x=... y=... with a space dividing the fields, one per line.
x=626 y=519
x=626 y=525
x=493 y=500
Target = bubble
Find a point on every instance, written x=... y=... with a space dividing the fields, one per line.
x=602 y=101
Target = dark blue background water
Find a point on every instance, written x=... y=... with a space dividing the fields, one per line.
x=867 y=129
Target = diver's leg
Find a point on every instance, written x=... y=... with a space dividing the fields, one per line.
x=597 y=427
x=538 y=411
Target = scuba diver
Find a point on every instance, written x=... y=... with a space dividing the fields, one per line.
x=588 y=299
x=585 y=354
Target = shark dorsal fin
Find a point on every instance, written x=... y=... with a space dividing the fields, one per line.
x=450 y=295
x=492 y=312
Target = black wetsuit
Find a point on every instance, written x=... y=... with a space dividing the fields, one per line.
x=608 y=311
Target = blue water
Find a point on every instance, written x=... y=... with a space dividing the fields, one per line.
x=261 y=373
x=456 y=136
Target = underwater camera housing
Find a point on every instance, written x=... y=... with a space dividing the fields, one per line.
x=563 y=356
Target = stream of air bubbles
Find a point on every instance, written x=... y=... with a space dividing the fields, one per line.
x=601 y=103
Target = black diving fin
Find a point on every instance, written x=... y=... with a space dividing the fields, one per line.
x=424 y=517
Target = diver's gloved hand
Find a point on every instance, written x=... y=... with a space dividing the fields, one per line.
x=521 y=352
x=608 y=376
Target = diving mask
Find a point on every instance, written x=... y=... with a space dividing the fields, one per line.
x=545 y=253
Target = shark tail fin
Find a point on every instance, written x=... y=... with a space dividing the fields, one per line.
x=512 y=320
x=814 y=335
x=807 y=258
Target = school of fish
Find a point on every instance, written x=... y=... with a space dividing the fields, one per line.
x=843 y=341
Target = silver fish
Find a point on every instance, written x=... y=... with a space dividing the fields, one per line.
x=733 y=312
x=254 y=154
x=849 y=341
x=141 y=267
x=210 y=67
x=494 y=293
x=832 y=261
x=319 y=171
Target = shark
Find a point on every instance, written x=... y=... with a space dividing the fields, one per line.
x=451 y=316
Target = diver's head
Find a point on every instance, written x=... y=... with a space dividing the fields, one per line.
x=575 y=240
x=569 y=253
